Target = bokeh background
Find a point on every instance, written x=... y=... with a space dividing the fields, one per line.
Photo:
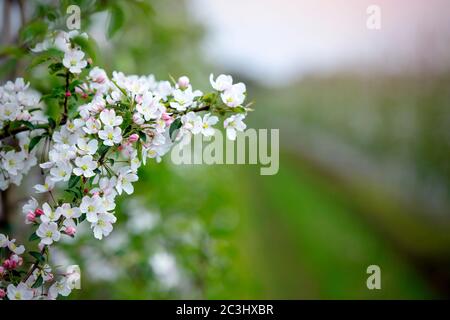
x=364 y=178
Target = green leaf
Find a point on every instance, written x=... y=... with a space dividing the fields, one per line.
x=144 y=7
x=33 y=237
x=52 y=123
x=39 y=281
x=239 y=109
x=142 y=136
x=19 y=123
x=33 y=142
x=73 y=181
x=34 y=30
x=116 y=20
x=55 y=67
x=103 y=149
x=139 y=151
x=44 y=57
x=82 y=218
x=174 y=126
x=38 y=256
x=87 y=45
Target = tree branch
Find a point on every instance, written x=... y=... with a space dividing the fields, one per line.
x=66 y=99
x=12 y=132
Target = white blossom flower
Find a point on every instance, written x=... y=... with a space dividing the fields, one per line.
x=234 y=124
x=48 y=232
x=85 y=147
x=150 y=107
x=164 y=89
x=109 y=118
x=234 y=96
x=13 y=161
x=103 y=225
x=65 y=136
x=3 y=240
x=68 y=212
x=73 y=60
x=15 y=248
x=61 y=172
x=208 y=121
x=49 y=214
x=9 y=111
x=192 y=122
x=92 y=126
x=59 y=288
x=48 y=185
x=21 y=292
x=85 y=166
x=184 y=99
x=110 y=135
x=223 y=82
x=91 y=206
x=124 y=181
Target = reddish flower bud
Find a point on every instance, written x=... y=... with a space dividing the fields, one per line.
x=133 y=138
x=70 y=231
x=68 y=94
x=2 y=293
x=38 y=212
x=31 y=216
x=7 y=264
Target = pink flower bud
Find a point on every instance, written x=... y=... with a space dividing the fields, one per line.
x=15 y=260
x=9 y=264
x=167 y=118
x=70 y=231
x=133 y=138
x=38 y=212
x=2 y=293
x=31 y=217
x=89 y=60
x=68 y=94
x=183 y=82
x=24 y=115
x=50 y=277
x=2 y=271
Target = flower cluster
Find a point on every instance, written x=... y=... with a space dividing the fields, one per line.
x=19 y=106
x=109 y=127
x=32 y=286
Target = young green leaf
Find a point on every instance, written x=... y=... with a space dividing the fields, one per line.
x=33 y=237
x=38 y=256
x=174 y=126
x=73 y=181
x=33 y=142
x=116 y=21
x=39 y=281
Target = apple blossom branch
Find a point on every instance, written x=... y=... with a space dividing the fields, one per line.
x=92 y=155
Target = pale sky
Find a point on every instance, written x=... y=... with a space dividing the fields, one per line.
x=277 y=40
